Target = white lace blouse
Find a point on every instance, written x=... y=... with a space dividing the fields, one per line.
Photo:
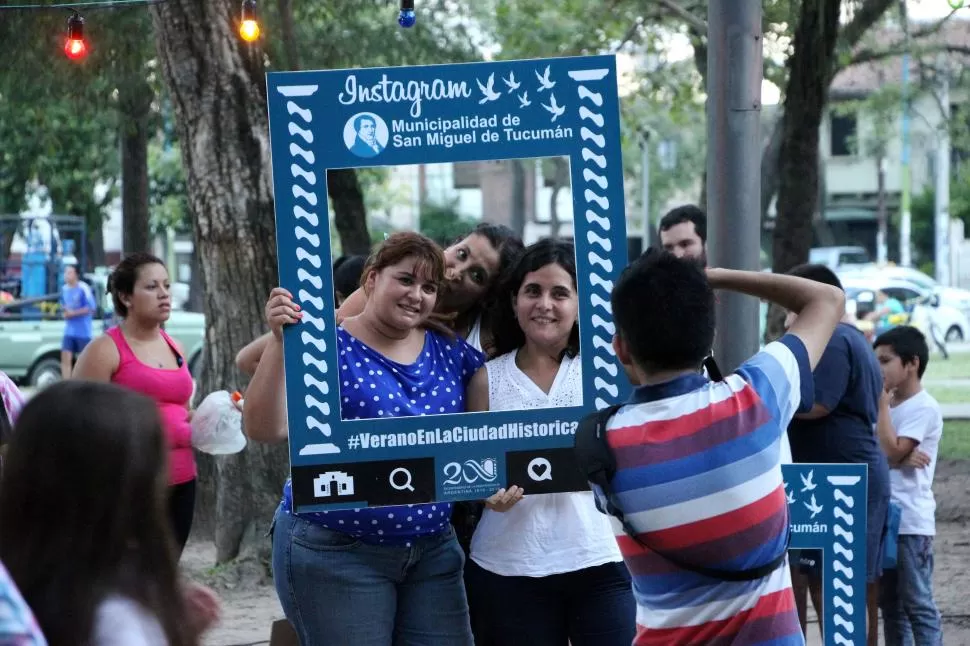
x=549 y=533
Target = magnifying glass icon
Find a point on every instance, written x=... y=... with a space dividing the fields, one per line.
x=396 y=482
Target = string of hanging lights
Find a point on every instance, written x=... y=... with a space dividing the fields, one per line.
x=76 y=47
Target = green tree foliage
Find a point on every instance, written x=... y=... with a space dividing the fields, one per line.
x=659 y=95
x=922 y=235
x=62 y=128
x=168 y=199
x=923 y=211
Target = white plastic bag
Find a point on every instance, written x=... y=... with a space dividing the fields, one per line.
x=217 y=425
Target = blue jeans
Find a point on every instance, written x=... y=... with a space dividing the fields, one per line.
x=336 y=590
x=909 y=613
x=589 y=607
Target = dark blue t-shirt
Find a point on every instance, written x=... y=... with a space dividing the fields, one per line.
x=848 y=382
x=373 y=386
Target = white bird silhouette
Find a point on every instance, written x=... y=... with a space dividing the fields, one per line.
x=807 y=482
x=813 y=506
x=789 y=495
x=544 y=82
x=553 y=108
x=524 y=100
x=511 y=82
x=488 y=90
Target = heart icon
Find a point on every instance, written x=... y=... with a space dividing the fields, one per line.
x=539 y=469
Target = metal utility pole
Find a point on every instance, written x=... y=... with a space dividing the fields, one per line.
x=941 y=257
x=645 y=188
x=734 y=75
x=882 y=235
x=906 y=219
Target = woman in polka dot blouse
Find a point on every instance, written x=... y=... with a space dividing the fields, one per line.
x=473 y=265
x=373 y=575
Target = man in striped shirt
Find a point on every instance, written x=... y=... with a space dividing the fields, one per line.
x=698 y=462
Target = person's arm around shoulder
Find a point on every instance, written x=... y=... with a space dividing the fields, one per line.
x=98 y=361
x=352 y=305
x=264 y=415
x=248 y=358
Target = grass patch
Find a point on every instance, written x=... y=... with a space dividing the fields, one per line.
x=950 y=394
x=955 y=444
x=956 y=367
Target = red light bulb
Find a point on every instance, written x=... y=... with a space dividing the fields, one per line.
x=74 y=47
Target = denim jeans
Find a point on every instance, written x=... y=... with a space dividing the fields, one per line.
x=589 y=607
x=909 y=612
x=338 y=591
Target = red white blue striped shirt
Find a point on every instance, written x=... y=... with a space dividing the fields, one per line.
x=699 y=477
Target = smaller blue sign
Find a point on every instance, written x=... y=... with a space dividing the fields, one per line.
x=827 y=510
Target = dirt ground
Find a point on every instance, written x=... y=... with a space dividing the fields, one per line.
x=250 y=605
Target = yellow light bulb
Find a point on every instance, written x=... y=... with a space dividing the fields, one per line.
x=249 y=30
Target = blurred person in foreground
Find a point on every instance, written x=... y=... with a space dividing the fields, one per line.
x=85 y=535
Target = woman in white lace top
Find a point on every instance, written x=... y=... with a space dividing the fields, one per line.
x=543 y=569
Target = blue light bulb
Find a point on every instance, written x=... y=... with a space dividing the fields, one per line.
x=406 y=18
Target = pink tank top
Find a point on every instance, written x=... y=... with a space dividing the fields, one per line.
x=171 y=390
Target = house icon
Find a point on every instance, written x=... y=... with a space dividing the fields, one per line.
x=333 y=483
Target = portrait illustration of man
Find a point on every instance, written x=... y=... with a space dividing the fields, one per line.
x=366 y=144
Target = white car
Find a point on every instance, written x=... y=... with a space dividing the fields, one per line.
x=952 y=296
x=951 y=322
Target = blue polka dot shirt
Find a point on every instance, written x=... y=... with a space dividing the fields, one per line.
x=373 y=386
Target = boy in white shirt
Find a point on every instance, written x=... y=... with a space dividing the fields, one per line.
x=910 y=427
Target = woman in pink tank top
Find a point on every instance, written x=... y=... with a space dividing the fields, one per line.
x=139 y=355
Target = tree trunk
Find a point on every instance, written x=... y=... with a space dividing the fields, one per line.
x=769 y=166
x=882 y=237
x=95 y=250
x=807 y=93
x=135 y=97
x=349 y=214
x=560 y=181
x=867 y=15
x=288 y=34
x=823 y=235
x=218 y=90
x=517 y=221
x=195 y=302
x=699 y=43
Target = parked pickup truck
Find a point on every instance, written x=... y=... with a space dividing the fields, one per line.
x=30 y=347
